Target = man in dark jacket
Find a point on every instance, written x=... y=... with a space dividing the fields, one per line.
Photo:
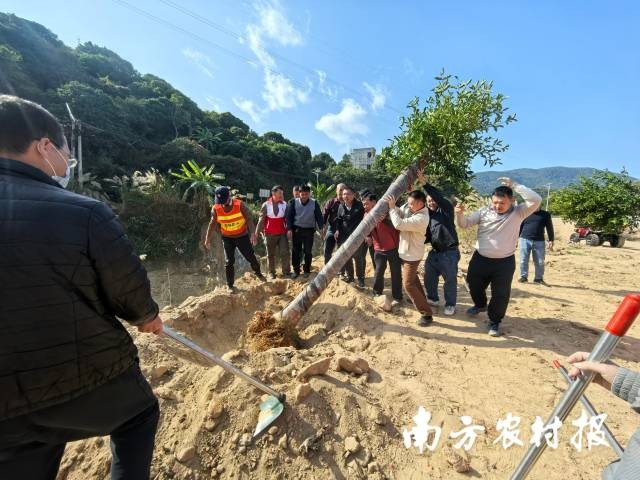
x=350 y=215
x=532 y=242
x=329 y=216
x=442 y=259
x=305 y=217
x=68 y=368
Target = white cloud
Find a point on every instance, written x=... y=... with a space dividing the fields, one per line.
x=200 y=60
x=276 y=26
x=378 y=95
x=327 y=90
x=279 y=91
x=248 y=107
x=280 y=94
x=347 y=126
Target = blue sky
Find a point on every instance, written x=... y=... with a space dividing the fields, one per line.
x=338 y=74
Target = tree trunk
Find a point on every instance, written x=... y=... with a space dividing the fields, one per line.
x=298 y=307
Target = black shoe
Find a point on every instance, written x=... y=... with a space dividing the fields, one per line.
x=360 y=283
x=306 y=274
x=347 y=279
x=295 y=275
x=538 y=280
x=425 y=320
x=272 y=276
x=523 y=280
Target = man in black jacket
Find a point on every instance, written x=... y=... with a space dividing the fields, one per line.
x=532 y=241
x=68 y=368
x=442 y=259
x=350 y=215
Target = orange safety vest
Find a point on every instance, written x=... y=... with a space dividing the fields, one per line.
x=231 y=223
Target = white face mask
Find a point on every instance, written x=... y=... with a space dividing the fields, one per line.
x=71 y=163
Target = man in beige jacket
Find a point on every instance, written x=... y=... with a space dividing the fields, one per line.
x=412 y=221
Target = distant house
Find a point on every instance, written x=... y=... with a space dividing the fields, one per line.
x=363 y=157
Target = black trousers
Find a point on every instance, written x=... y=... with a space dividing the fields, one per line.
x=302 y=245
x=497 y=272
x=31 y=445
x=246 y=249
x=395 y=266
x=358 y=258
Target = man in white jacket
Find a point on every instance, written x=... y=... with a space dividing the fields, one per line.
x=493 y=262
x=412 y=221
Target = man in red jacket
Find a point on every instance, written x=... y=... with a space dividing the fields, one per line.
x=385 y=239
x=273 y=221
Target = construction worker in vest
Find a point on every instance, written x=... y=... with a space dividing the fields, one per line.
x=232 y=219
x=303 y=218
x=273 y=222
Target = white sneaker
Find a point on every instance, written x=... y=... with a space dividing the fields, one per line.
x=433 y=303
x=395 y=303
x=449 y=310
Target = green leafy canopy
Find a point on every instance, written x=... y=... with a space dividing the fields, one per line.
x=456 y=124
x=605 y=202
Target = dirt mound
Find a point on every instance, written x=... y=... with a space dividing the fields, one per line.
x=265 y=331
x=344 y=423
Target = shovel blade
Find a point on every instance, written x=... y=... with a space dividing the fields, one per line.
x=270 y=410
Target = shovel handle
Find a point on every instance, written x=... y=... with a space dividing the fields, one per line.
x=624 y=316
x=592 y=411
x=175 y=336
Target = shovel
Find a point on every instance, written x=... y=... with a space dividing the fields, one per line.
x=270 y=409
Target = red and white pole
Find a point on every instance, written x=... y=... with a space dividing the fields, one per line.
x=617 y=327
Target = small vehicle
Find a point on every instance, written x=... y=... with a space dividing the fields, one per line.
x=595 y=239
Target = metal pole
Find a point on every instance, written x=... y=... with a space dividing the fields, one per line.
x=613 y=443
x=614 y=331
x=548 y=192
x=79 y=152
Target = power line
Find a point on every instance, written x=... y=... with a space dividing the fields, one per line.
x=301 y=85
x=237 y=36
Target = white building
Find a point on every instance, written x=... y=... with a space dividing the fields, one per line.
x=363 y=157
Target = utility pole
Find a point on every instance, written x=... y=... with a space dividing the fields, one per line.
x=317 y=172
x=76 y=124
x=548 y=192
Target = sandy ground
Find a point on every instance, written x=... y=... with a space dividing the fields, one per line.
x=451 y=368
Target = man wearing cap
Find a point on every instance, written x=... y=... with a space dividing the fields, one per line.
x=273 y=221
x=232 y=219
x=303 y=219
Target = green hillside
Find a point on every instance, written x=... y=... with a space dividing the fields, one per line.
x=133 y=121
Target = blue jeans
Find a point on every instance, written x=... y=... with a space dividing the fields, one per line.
x=445 y=264
x=537 y=249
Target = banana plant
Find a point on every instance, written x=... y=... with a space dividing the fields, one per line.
x=201 y=182
x=321 y=192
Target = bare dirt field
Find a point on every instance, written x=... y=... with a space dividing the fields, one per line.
x=351 y=425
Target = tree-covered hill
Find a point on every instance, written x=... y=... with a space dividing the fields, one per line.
x=537 y=178
x=133 y=121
